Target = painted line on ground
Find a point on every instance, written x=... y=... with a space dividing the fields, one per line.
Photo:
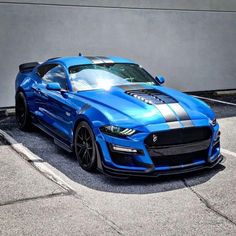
x=45 y=168
x=5 y=119
x=215 y=100
x=225 y=151
x=36 y=161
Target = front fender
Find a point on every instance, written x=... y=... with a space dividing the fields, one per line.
x=92 y=116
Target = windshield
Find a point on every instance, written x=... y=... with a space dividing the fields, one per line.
x=104 y=76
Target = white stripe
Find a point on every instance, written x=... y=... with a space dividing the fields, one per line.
x=5 y=119
x=174 y=125
x=166 y=112
x=187 y=123
x=215 y=100
x=228 y=152
x=43 y=167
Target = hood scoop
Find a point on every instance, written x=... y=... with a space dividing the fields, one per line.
x=151 y=96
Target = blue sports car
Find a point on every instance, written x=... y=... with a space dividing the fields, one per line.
x=116 y=117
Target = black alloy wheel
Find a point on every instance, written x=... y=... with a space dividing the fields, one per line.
x=22 y=113
x=85 y=147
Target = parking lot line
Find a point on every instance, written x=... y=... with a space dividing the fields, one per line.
x=215 y=100
x=228 y=152
x=35 y=161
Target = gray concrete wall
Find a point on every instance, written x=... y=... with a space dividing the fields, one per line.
x=190 y=42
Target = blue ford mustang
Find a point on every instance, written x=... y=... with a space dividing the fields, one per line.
x=116 y=117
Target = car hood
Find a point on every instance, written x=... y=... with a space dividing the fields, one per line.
x=134 y=105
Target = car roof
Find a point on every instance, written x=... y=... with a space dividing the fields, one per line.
x=84 y=60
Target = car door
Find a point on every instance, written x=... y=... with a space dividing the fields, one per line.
x=57 y=112
x=40 y=98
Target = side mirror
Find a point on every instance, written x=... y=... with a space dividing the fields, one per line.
x=160 y=79
x=53 y=86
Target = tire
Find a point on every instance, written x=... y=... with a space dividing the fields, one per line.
x=85 y=147
x=22 y=113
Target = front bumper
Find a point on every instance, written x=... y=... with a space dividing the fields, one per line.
x=151 y=172
x=174 y=159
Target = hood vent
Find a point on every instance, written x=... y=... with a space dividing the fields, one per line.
x=151 y=96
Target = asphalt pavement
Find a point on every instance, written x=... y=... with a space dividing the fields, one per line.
x=31 y=203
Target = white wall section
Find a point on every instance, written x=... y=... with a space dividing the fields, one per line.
x=191 y=42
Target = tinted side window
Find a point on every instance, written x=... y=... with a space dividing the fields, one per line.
x=42 y=70
x=56 y=74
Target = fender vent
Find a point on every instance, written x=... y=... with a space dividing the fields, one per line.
x=151 y=96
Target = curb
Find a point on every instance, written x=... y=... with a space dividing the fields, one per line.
x=37 y=162
x=7 y=112
x=226 y=92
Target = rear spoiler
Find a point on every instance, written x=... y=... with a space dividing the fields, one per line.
x=27 y=66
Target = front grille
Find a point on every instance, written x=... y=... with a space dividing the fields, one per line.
x=180 y=160
x=178 y=136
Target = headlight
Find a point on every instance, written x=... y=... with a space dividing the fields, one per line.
x=117 y=131
x=213 y=122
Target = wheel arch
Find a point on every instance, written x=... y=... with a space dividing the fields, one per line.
x=99 y=155
x=92 y=116
x=21 y=90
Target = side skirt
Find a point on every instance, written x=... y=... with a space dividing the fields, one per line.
x=55 y=137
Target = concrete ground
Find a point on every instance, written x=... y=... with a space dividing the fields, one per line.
x=34 y=204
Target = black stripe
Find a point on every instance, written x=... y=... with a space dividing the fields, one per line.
x=179 y=110
x=166 y=112
x=153 y=96
x=84 y=108
x=182 y=114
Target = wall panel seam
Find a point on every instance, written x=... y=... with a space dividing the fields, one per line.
x=114 y=7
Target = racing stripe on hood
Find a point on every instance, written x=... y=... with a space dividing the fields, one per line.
x=181 y=114
x=95 y=60
x=155 y=98
x=100 y=60
x=171 y=110
x=187 y=123
x=106 y=59
x=174 y=125
x=166 y=112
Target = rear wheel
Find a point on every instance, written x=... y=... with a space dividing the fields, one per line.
x=22 y=113
x=85 y=147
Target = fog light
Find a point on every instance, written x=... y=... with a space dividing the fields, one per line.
x=123 y=149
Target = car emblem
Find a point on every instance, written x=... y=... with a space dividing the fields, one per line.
x=154 y=138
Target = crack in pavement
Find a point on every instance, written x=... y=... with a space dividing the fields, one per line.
x=111 y=223
x=39 y=165
x=207 y=203
x=22 y=200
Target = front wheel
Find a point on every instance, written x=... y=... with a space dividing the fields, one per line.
x=85 y=147
x=22 y=113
